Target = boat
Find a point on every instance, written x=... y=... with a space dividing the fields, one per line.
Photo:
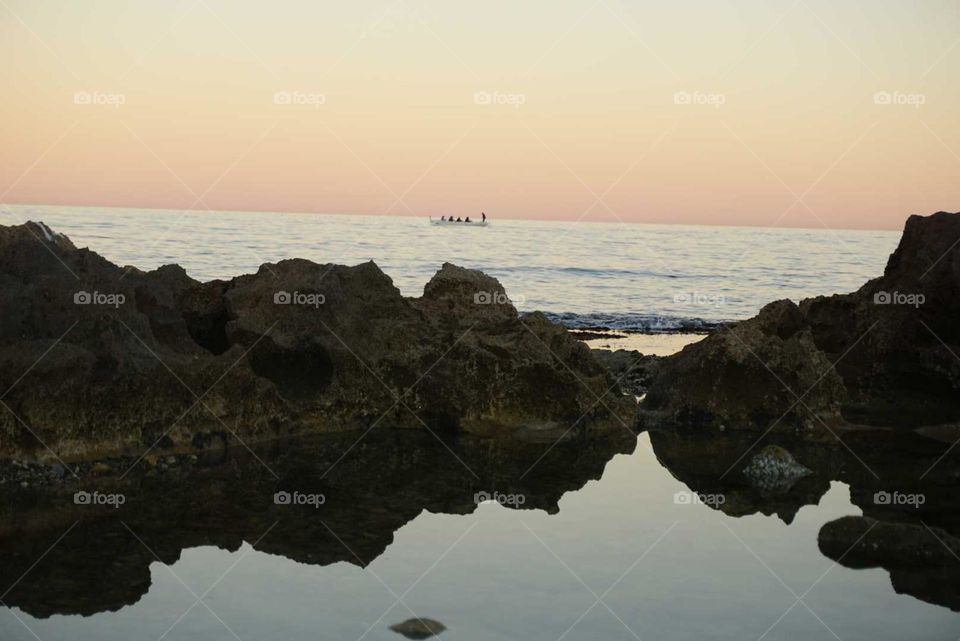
x=453 y=223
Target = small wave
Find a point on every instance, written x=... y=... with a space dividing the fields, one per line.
x=601 y=272
x=639 y=323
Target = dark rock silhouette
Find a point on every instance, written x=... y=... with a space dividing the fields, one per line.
x=912 y=538
x=922 y=561
x=419 y=628
x=883 y=355
x=371 y=487
x=97 y=359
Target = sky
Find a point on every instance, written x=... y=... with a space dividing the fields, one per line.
x=774 y=113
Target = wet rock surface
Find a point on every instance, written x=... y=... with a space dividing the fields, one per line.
x=774 y=470
x=883 y=355
x=99 y=359
x=633 y=370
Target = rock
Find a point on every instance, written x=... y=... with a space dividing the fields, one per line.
x=101 y=468
x=773 y=470
x=632 y=369
x=133 y=360
x=741 y=377
x=418 y=628
x=921 y=560
x=883 y=355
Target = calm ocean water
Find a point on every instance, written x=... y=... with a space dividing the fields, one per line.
x=625 y=276
x=620 y=558
x=664 y=569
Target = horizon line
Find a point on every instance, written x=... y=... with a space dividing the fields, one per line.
x=489 y=217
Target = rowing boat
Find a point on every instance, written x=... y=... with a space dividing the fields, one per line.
x=453 y=223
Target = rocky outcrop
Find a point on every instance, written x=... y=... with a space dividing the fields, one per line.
x=633 y=370
x=885 y=355
x=96 y=358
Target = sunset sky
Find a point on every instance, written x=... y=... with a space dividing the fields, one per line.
x=802 y=113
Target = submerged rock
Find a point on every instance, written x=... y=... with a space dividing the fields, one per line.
x=418 y=628
x=883 y=355
x=774 y=470
x=101 y=359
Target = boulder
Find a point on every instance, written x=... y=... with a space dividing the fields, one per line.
x=632 y=369
x=95 y=358
x=773 y=470
x=747 y=376
x=885 y=355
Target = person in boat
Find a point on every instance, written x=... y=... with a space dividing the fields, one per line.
x=484 y=217
x=458 y=219
x=443 y=218
x=467 y=220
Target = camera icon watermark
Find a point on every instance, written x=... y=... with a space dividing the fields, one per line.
x=515 y=500
x=898 y=298
x=98 y=298
x=699 y=298
x=298 y=298
x=715 y=100
x=299 y=498
x=497 y=98
x=99 y=99
x=99 y=498
x=497 y=298
x=899 y=499
x=898 y=98
x=699 y=498
x=299 y=99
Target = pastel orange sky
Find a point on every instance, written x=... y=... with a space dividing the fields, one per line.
x=801 y=113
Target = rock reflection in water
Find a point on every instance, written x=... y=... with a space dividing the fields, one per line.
x=906 y=485
x=227 y=498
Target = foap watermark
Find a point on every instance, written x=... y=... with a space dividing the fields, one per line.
x=715 y=100
x=298 y=298
x=98 y=298
x=499 y=497
x=100 y=99
x=499 y=98
x=699 y=498
x=99 y=498
x=898 y=298
x=300 y=99
x=899 y=98
x=299 y=498
x=699 y=298
x=497 y=298
x=899 y=499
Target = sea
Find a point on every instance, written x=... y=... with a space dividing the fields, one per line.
x=582 y=546
x=632 y=277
